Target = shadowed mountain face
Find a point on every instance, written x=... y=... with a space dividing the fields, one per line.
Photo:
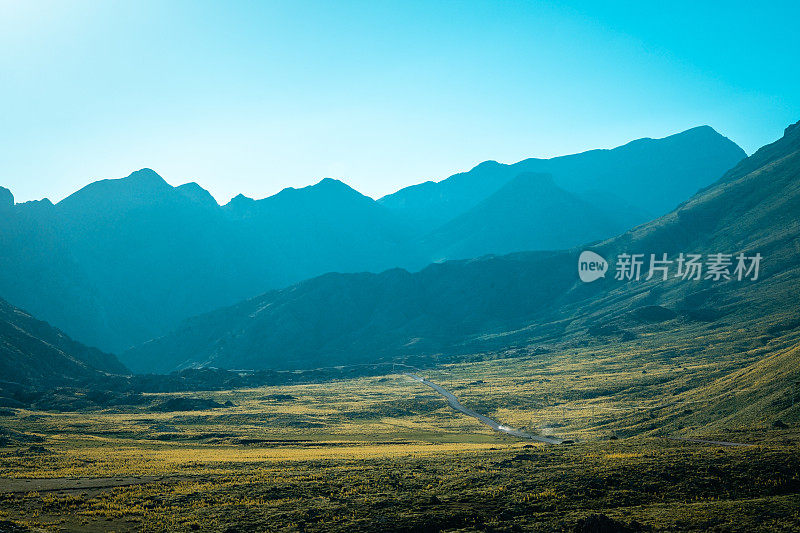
x=121 y=260
x=33 y=352
x=654 y=175
x=473 y=305
x=530 y=212
x=125 y=260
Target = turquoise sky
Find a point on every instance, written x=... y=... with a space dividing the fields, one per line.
x=252 y=97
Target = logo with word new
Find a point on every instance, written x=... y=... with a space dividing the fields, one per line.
x=717 y=267
x=591 y=266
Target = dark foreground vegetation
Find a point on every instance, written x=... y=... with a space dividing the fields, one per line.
x=636 y=485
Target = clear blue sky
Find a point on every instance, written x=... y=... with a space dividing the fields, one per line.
x=252 y=97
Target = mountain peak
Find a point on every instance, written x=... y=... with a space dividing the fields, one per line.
x=36 y=206
x=707 y=134
x=525 y=296
x=325 y=187
x=241 y=198
x=196 y=193
x=703 y=133
x=335 y=190
x=142 y=186
x=145 y=175
x=240 y=202
x=332 y=184
x=792 y=129
x=6 y=198
x=330 y=181
x=705 y=128
x=487 y=165
x=675 y=166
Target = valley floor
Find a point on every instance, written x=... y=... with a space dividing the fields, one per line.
x=386 y=453
x=661 y=485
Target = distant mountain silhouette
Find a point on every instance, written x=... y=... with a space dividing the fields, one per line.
x=34 y=353
x=478 y=304
x=327 y=226
x=653 y=174
x=118 y=261
x=125 y=260
x=6 y=199
x=530 y=212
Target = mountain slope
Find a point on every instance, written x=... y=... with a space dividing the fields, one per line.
x=530 y=212
x=33 y=353
x=463 y=306
x=124 y=260
x=653 y=174
x=100 y=262
x=325 y=227
x=772 y=392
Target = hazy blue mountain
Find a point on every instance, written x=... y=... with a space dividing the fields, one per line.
x=6 y=199
x=354 y=318
x=470 y=305
x=114 y=261
x=530 y=212
x=34 y=353
x=121 y=261
x=325 y=227
x=125 y=260
x=653 y=174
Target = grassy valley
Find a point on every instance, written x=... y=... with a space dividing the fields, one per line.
x=677 y=402
x=384 y=452
x=395 y=267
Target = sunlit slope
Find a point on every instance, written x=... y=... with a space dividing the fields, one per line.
x=754 y=208
x=764 y=394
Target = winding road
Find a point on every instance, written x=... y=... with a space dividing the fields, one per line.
x=455 y=404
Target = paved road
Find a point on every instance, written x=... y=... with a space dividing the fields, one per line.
x=455 y=404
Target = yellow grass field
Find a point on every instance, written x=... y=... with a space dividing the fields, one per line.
x=386 y=453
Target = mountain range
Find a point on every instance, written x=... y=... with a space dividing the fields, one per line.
x=122 y=261
x=648 y=176
x=492 y=302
